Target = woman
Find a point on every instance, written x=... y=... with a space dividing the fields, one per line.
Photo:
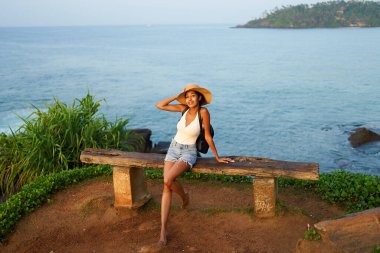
x=182 y=153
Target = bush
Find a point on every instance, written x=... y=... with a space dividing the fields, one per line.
x=51 y=141
x=356 y=192
x=35 y=194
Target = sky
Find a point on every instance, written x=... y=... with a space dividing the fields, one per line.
x=136 y=12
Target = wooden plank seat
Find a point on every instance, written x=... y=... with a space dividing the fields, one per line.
x=130 y=181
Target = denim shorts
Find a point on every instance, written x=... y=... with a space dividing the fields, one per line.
x=182 y=152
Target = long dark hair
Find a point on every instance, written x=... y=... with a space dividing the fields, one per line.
x=202 y=101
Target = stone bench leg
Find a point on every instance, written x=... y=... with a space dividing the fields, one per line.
x=130 y=187
x=264 y=197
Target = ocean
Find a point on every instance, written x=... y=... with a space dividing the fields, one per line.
x=292 y=95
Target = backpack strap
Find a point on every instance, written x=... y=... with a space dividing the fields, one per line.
x=200 y=117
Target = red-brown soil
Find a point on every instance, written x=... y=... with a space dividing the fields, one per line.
x=218 y=219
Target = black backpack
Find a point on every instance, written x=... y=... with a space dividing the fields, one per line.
x=201 y=143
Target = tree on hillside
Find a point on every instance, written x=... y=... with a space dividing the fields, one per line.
x=323 y=14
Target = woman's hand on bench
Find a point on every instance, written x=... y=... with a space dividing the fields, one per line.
x=225 y=160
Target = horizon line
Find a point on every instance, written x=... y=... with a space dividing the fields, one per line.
x=112 y=25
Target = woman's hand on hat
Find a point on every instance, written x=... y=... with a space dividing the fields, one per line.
x=173 y=98
x=225 y=160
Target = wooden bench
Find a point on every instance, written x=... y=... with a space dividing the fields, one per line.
x=130 y=181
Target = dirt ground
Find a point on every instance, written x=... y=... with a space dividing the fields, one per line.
x=218 y=219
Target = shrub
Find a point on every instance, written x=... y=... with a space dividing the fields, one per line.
x=356 y=192
x=50 y=141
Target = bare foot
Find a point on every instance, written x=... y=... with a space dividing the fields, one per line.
x=163 y=240
x=186 y=201
x=162 y=243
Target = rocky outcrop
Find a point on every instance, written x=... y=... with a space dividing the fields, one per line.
x=358 y=232
x=140 y=140
x=362 y=136
x=161 y=147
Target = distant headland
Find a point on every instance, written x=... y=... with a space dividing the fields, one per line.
x=320 y=15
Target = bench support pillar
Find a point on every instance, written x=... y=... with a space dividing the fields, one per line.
x=264 y=197
x=130 y=187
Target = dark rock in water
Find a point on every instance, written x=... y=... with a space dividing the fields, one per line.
x=362 y=136
x=161 y=147
x=142 y=143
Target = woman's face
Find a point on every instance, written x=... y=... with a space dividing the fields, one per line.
x=192 y=99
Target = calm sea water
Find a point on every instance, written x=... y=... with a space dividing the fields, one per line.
x=283 y=94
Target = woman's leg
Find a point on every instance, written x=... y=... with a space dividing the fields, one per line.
x=177 y=188
x=175 y=185
x=171 y=172
x=165 y=204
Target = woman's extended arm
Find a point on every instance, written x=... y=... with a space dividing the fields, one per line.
x=164 y=105
x=206 y=125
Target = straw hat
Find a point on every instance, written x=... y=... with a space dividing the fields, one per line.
x=205 y=92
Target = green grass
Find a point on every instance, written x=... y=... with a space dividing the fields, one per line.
x=355 y=192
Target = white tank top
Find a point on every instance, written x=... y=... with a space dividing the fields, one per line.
x=187 y=134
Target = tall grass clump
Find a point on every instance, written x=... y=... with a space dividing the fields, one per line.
x=51 y=140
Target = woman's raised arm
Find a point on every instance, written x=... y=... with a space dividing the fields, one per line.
x=164 y=105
